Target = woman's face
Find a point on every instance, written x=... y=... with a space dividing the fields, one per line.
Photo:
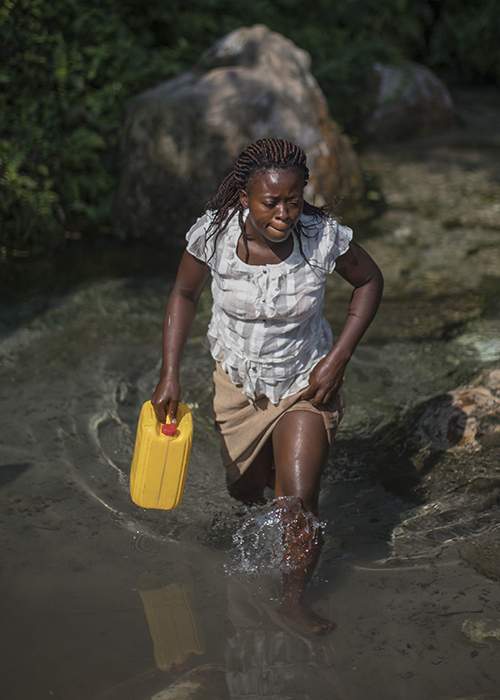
x=275 y=199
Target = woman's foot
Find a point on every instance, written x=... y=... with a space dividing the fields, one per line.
x=302 y=619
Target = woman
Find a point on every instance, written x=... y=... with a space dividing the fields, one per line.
x=278 y=371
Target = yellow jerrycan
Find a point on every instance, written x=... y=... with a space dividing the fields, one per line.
x=161 y=456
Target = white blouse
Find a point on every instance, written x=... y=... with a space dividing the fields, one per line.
x=267 y=327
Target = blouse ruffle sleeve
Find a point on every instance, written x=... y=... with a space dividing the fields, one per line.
x=198 y=244
x=337 y=238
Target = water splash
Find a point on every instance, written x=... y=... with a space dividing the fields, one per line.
x=279 y=537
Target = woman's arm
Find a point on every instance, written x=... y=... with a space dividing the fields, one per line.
x=360 y=270
x=179 y=314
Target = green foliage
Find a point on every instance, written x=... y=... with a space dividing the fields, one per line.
x=67 y=68
x=466 y=41
x=67 y=71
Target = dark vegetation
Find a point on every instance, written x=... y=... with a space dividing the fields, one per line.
x=67 y=68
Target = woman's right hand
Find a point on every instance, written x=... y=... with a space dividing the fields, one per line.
x=166 y=397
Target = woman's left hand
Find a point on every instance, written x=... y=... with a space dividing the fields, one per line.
x=325 y=380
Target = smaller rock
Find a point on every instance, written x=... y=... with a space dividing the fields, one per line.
x=409 y=100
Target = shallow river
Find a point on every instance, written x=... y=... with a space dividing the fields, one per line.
x=104 y=600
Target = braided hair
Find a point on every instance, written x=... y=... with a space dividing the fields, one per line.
x=262 y=155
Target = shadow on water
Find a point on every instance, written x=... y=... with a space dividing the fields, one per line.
x=10 y=472
x=31 y=287
x=406 y=455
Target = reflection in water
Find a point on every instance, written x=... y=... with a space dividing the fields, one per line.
x=259 y=659
x=264 y=660
x=172 y=625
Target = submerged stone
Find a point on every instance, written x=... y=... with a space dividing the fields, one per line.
x=480 y=631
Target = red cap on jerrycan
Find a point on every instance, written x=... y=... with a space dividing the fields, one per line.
x=169 y=429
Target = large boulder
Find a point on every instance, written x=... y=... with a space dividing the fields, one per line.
x=181 y=137
x=408 y=100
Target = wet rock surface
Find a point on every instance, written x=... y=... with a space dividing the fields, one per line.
x=450 y=442
x=181 y=137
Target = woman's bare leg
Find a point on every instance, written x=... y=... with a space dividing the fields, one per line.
x=300 y=447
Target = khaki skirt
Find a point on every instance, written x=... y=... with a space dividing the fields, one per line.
x=245 y=425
